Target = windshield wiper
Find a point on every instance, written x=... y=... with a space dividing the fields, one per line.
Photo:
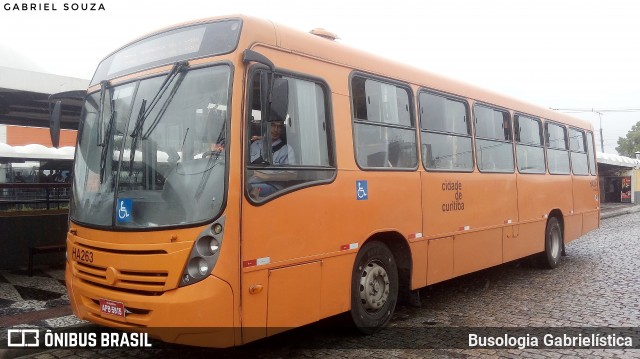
x=104 y=138
x=105 y=144
x=134 y=135
x=145 y=111
x=103 y=90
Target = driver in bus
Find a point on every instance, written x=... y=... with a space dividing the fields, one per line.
x=264 y=183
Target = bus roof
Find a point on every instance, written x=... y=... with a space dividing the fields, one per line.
x=316 y=46
x=257 y=31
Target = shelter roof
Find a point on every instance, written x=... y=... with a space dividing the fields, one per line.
x=617 y=160
x=24 y=97
x=35 y=152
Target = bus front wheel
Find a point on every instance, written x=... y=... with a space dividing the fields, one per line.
x=374 y=287
x=552 y=245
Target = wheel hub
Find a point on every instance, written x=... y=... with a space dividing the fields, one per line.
x=374 y=287
x=555 y=244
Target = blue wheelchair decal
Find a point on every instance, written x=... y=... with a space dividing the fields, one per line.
x=362 y=192
x=124 y=210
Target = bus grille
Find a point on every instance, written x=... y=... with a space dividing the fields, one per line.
x=131 y=281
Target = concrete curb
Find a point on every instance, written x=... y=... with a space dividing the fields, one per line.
x=620 y=212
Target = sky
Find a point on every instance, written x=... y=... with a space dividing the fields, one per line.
x=561 y=54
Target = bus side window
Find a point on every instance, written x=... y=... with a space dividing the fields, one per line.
x=494 y=149
x=579 y=158
x=529 y=145
x=557 y=149
x=383 y=125
x=591 y=154
x=445 y=133
x=299 y=141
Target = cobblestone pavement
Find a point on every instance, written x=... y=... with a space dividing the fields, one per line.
x=40 y=300
x=596 y=285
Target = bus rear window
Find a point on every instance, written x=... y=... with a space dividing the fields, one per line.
x=215 y=38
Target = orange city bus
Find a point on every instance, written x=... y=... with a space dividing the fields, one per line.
x=234 y=178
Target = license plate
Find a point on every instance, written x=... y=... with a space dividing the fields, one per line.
x=112 y=307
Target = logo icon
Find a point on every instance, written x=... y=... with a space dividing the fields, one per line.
x=124 y=209
x=362 y=192
x=23 y=338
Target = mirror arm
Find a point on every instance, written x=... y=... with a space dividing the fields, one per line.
x=252 y=56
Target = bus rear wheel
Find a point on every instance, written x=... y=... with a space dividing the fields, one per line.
x=552 y=245
x=374 y=287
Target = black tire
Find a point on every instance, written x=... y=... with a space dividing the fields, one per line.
x=375 y=268
x=553 y=245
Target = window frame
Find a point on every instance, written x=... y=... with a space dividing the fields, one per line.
x=584 y=144
x=516 y=141
x=476 y=138
x=137 y=80
x=592 y=157
x=546 y=145
x=412 y=119
x=470 y=129
x=251 y=71
x=546 y=138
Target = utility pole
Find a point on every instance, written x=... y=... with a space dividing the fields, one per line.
x=601 y=138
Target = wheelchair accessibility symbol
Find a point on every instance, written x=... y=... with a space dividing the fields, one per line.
x=362 y=193
x=124 y=210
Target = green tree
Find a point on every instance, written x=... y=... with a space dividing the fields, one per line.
x=628 y=146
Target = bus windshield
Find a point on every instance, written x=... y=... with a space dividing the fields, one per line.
x=151 y=153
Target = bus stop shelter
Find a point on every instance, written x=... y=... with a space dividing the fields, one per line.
x=619 y=178
x=25 y=87
x=24 y=98
x=24 y=93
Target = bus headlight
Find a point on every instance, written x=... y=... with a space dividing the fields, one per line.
x=207 y=246
x=198 y=267
x=204 y=254
x=214 y=245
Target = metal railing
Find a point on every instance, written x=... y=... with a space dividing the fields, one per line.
x=34 y=196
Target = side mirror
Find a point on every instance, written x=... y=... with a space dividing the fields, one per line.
x=54 y=124
x=55 y=115
x=279 y=100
